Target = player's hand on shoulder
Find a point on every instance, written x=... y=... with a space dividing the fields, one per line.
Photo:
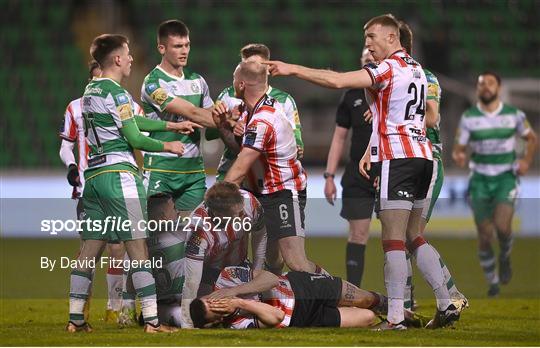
x=175 y=147
x=73 y=175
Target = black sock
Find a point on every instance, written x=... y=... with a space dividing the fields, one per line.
x=355 y=262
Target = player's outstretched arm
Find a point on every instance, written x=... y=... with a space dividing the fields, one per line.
x=322 y=77
x=148 y=125
x=198 y=115
x=239 y=169
x=138 y=141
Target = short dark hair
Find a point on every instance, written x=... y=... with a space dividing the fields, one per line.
x=103 y=45
x=222 y=196
x=386 y=20
x=406 y=37
x=255 y=49
x=172 y=27
x=155 y=205
x=197 y=311
x=92 y=65
x=492 y=73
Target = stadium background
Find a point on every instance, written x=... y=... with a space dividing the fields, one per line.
x=45 y=52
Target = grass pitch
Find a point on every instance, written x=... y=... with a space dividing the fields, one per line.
x=34 y=306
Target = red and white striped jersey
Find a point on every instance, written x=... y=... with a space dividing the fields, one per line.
x=225 y=245
x=397 y=101
x=72 y=129
x=269 y=131
x=281 y=296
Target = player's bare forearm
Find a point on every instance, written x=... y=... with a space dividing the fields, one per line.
x=241 y=165
x=195 y=114
x=267 y=315
x=332 y=79
x=229 y=139
x=432 y=113
x=262 y=281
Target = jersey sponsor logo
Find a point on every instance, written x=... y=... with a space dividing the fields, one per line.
x=122 y=99
x=195 y=87
x=357 y=103
x=125 y=112
x=250 y=138
x=94 y=90
x=296 y=118
x=409 y=60
x=97 y=160
x=269 y=102
x=193 y=245
x=433 y=90
x=159 y=96
x=151 y=87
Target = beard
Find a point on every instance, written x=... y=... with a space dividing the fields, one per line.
x=487 y=98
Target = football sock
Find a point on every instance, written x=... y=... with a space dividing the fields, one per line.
x=487 y=261
x=449 y=281
x=505 y=245
x=114 y=286
x=427 y=260
x=128 y=292
x=145 y=286
x=80 y=283
x=408 y=300
x=395 y=277
x=355 y=262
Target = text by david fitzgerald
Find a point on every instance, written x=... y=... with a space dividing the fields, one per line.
x=103 y=262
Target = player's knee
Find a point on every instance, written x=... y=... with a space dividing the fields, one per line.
x=369 y=318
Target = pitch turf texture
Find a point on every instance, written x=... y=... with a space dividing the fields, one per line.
x=34 y=306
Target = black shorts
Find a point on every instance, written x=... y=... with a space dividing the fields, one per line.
x=316 y=300
x=358 y=196
x=284 y=213
x=404 y=183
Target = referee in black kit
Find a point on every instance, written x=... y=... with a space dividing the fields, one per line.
x=358 y=192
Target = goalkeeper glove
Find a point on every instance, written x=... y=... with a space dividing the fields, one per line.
x=73 y=175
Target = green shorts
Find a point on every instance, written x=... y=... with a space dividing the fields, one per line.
x=434 y=191
x=486 y=192
x=115 y=205
x=186 y=190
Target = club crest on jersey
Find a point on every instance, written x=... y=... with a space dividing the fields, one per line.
x=195 y=87
x=122 y=99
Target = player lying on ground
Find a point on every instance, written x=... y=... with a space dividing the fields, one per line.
x=256 y=299
x=218 y=237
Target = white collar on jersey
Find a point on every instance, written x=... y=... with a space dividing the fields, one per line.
x=495 y=112
x=269 y=90
x=181 y=78
x=105 y=78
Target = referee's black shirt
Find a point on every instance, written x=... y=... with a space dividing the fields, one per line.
x=350 y=114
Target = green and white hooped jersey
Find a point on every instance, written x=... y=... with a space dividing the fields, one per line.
x=434 y=93
x=158 y=90
x=283 y=98
x=105 y=104
x=492 y=137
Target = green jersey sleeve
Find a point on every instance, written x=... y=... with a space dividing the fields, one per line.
x=434 y=88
